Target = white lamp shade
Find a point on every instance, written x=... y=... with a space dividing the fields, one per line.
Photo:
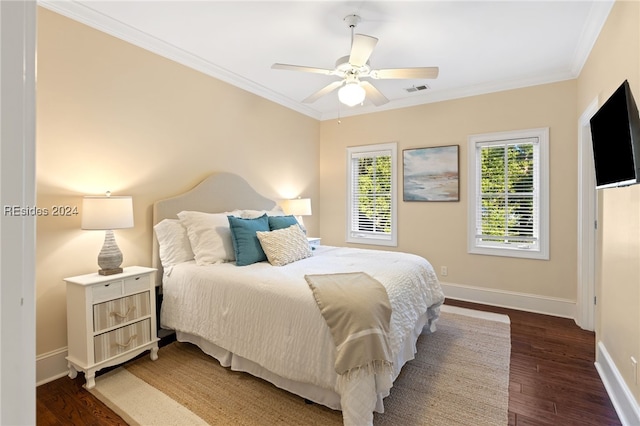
x=297 y=207
x=351 y=94
x=105 y=213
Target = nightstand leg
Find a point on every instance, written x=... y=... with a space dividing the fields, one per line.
x=154 y=353
x=90 y=376
x=73 y=373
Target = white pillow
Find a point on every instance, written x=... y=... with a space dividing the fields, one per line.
x=209 y=235
x=284 y=246
x=252 y=214
x=173 y=242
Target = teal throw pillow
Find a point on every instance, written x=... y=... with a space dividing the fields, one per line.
x=246 y=245
x=281 y=222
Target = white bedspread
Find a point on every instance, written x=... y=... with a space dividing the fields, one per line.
x=267 y=314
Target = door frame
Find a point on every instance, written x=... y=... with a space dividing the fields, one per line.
x=587 y=224
x=18 y=187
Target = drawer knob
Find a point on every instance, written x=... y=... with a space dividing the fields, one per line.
x=125 y=315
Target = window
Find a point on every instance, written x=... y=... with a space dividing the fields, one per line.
x=509 y=194
x=371 y=194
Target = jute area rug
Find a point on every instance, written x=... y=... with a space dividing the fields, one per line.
x=460 y=377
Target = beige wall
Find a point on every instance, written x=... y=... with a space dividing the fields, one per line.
x=438 y=230
x=111 y=116
x=614 y=58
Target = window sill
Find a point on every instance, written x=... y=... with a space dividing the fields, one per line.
x=373 y=241
x=506 y=252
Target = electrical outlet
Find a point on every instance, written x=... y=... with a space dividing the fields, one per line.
x=444 y=271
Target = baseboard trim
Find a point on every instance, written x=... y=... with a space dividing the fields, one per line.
x=507 y=299
x=51 y=366
x=621 y=396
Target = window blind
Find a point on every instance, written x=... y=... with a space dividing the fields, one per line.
x=507 y=205
x=371 y=194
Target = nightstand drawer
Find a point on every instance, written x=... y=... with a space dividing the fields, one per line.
x=137 y=284
x=118 y=311
x=106 y=291
x=108 y=345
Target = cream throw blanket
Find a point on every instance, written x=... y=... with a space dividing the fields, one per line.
x=357 y=310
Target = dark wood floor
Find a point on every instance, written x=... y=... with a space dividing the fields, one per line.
x=552 y=379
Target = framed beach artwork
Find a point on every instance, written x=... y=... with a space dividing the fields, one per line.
x=431 y=174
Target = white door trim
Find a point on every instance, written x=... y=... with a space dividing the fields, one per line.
x=587 y=217
x=18 y=187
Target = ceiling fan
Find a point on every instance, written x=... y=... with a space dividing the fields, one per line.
x=355 y=66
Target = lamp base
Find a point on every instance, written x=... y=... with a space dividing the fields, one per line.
x=110 y=257
x=110 y=271
x=301 y=223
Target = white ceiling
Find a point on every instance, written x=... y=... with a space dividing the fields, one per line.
x=480 y=46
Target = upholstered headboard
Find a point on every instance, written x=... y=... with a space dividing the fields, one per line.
x=220 y=192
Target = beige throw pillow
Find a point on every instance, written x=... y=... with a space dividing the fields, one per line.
x=284 y=246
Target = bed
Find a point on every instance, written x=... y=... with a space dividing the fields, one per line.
x=265 y=319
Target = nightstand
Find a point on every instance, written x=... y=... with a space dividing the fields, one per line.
x=110 y=319
x=313 y=242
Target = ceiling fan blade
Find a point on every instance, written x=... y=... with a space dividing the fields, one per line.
x=361 y=49
x=301 y=68
x=373 y=94
x=424 y=72
x=325 y=90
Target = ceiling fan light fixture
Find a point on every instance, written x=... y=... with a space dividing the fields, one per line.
x=351 y=94
x=354 y=66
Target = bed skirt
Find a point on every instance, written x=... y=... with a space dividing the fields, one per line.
x=327 y=397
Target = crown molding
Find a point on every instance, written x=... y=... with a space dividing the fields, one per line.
x=84 y=14
x=451 y=94
x=597 y=17
x=88 y=16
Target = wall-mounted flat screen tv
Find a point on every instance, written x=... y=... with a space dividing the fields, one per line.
x=615 y=134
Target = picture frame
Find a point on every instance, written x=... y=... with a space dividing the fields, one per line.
x=431 y=174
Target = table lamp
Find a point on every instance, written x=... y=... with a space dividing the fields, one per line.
x=298 y=207
x=106 y=213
